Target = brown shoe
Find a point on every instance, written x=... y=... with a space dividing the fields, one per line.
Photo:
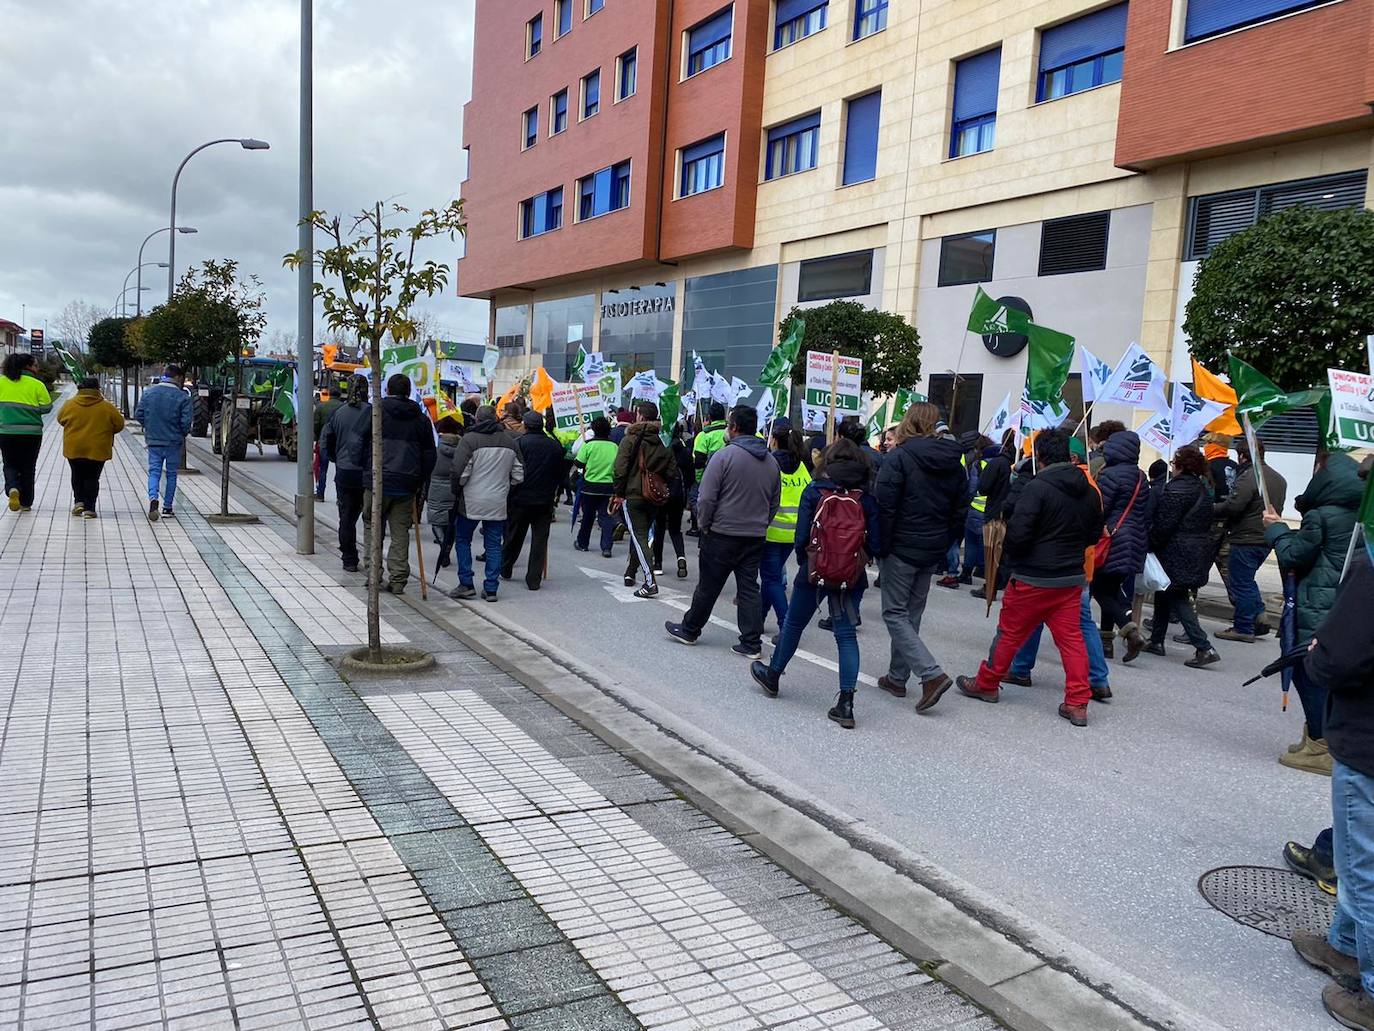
x=1016 y=679
x=1135 y=642
x=1317 y=758
x=932 y=691
x=952 y=582
x=1353 y=1009
x=1316 y=951
x=969 y=686
x=1101 y=694
x=1108 y=646
x=892 y=687
x=1075 y=714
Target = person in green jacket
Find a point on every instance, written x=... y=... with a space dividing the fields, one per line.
x=323 y=410
x=709 y=439
x=1315 y=553
x=24 y=400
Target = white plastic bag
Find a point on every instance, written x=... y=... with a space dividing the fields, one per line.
x=1153 y=579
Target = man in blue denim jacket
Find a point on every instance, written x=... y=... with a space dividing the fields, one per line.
x=164 y=411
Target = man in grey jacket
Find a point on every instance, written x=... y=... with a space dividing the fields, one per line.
x=486 y=464
x=1242 y=516
x=739 y=495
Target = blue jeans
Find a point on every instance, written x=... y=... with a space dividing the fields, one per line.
x=1312 y=695
x=773 y=578
x=324 y=475
x=805 y=600
x=1352 y=825
x=952 y=559
x=594 y=507
x=493 y=534
x=1098 y=672
x=973 y=543
x=158 y=459
x=1244 y=563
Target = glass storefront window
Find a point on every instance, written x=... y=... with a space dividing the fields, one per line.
x=560 y=328
x=637 y=328
x=511 y=323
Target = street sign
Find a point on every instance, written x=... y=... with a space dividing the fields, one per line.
x=1352 y=407
x=575 y=405
x=826 y=383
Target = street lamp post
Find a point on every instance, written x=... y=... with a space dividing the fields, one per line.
x=305 y=303
x=139 y=297
x=139 y=288
x=247 y=143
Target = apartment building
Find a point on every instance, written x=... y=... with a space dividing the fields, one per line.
x=650 y=178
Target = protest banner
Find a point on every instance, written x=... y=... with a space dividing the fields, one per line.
x=575 y=405
x=1352 y=407
x=833 y=389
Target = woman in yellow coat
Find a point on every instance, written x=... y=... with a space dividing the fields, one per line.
x=89 y=424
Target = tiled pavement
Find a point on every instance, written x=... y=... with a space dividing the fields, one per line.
x=202 y=825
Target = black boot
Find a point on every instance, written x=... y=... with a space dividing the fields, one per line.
x=765 y=677
x=843 y=712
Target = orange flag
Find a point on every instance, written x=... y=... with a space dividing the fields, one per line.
x=506 y=398
x=541 y=390
x=1212 y=388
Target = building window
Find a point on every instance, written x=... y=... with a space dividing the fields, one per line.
x=1082 y=53
x=534 y=35
x=604 y=191
x=541 y=214
x=593 y=6
x=861 y=137
x=1213 y=17
x=1217 y=216
x=562 y=14
x=962 y=410
x=708 y=42
x=797 y=19
x=842 y=275
x=870 y=16
x=975 y=103
x=703 y=166
x=967 y=258
x=792 y=146
x=558 y=117
x=1074 y=244
x=531 y=127
x=591 y=94
x=626 y=73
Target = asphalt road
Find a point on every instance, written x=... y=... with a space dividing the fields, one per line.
x=1097 y=834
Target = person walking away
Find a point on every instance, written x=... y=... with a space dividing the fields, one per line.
x=781 y=538
x=1342 y=659
x=439 y=495
x=837 y=524
x=974 y=552
x=994 y=484
x=342 y=443
x=1315 y=554
x=1098 y=437
x=408 y=457
x=530 y=507
x=165 y=412
x=741 y=492
x=643 y=469
x=486 y=465
x=959 y=571
x=89 y=424
x=922 y=497
x=24 y=400
x=1242 y=515
x=1125 y=509
x=1180 y=534
x=669 y=522
x=710 y=438
x=596 y=459
x=324 y=411
x=1056 y=518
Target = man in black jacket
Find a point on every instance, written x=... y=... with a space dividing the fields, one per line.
x=342 y=443
x=994 y=484
x=1342 y=658
x=531 y=503
x=1056 y=518
x=408 y=456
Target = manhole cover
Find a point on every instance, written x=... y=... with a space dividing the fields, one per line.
x=1269 y=899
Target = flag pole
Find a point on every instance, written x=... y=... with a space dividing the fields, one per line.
x=954 y=387
x=834 y=386
x=1256 y=461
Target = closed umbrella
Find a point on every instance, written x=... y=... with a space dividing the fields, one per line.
x=1288 y=629
x=994 y=534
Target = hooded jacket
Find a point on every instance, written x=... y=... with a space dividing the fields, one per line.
x=1243 y=510
x=165 y=412
x=1181 y=531
x=1316 y=551
x=342 y=442
x=740 y=490
x=89 y=424
x=545 y=464
x=23 y=403
x=1343 y=663
x=486 y=464
x=839 y=475
x=407 y=448
x=922 y=495
x=642 y=439
x=1119 y=479
x=1057 y=517
x=439 y=501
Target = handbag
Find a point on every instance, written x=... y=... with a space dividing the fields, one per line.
x=652 y=486
x=1104 y=543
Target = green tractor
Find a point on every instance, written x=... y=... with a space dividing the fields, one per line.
x=257 y=409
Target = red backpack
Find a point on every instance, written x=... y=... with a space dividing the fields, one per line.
x=835 y=555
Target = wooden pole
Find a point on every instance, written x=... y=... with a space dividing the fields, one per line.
x=834 y=386
x=1256 y=462
x=419 y=548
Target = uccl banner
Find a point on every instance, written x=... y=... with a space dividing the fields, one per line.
x=575 y=405
x=820 y=374
x=1352 y=407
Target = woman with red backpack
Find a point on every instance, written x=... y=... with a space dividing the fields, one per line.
x=837 y=528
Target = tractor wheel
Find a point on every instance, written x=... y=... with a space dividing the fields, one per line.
x=200 y=416
x=216 y=421
x=238 y=437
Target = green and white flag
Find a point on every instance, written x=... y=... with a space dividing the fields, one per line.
x=1047 y=369
x=1367 y=516
x=903 y=400
x=669 y=407
x=1261 y=398
x=778 y=368
x=579 y=364
x=989 y=317
x=877 y=422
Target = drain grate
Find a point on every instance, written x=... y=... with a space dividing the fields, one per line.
x=1269 y=899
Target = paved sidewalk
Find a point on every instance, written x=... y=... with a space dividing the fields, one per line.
x=202 y=825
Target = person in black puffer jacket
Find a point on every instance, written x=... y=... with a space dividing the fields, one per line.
x=530 y=506
x=342 y=444
x=1181 y=535
x=408 y=457
x=1125 y=510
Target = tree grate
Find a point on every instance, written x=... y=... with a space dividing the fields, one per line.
x=1269 y=899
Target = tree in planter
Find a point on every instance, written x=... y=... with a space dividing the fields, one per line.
x=109 y=350
x=378 y=283
x=1293 y=295
x=889 y=345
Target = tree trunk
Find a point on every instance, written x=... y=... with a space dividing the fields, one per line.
x=374 y=553
x=124 y=390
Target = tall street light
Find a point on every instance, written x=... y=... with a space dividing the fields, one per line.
x=247 y=144
x=120 y=304
x=139 y=296
x=305 y=302
x=139 y=269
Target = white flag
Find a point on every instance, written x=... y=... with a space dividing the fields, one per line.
x=1137 y=382
x=1158 y=433
x=1041 y=415
x=702 y=380
x=1000 y=421
x=645 y=386
x=721 y=389
x=741 y=389
x=594 y=367
x=1189 y=416
x=1096 y=373
x=766 y=407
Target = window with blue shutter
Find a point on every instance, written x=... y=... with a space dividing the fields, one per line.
x=591 y=94
x=792 y=146
x=1213 y=17
x=1082 y=53
x=531 y=127
x=708 y=42
x=534 y=35
x=562 y=12
x=558 y=119
x=975 y=103
x=870 y=16
x=627 y=73
x=797 y=19
x=861 y=138
x=703 y=166
x=604 y=191
x=542 y=213
x=594 y=5
x=1217 y=216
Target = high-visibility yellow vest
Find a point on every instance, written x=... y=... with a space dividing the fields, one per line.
x=980 y=501
x=783 y=529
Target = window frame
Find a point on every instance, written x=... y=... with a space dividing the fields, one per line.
x=620 y=177
x=587 y=80
x=1098 y=62
x=867 y=255
x=620 y=93
x=877 y=137
x=808 y=124
x=940 y=277
x=683 y=162
x=864 y=10
x=527 y=212
x=1085 y=218
x=588 y=10
x=534 y=45
x=822 y=8
x=974 y=123
x=1260 y=199
x=562 y=12
x=1261 y=19
x=688 y=53
x=553 y=113
x=529 y=139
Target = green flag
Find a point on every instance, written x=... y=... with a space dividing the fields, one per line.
x=669 y=405
x=989 y=317
x=877 y=422
x=1367 y=516
x=1047 y=369
x=1261 y=399
x=579 y=363
x=778 y=368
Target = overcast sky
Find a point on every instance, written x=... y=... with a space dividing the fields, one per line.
x=103 y=98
